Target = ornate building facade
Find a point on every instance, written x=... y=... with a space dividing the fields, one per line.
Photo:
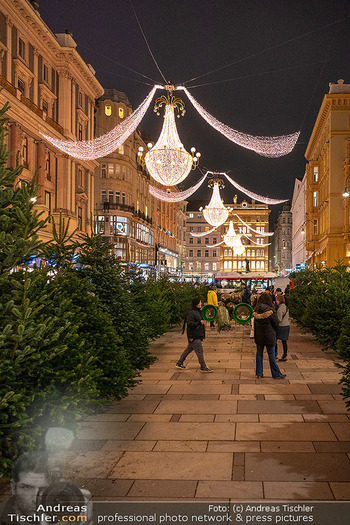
x=328 y=173
x=298 y=210
x=281 y=249
x=255 y=215
x=50 y=90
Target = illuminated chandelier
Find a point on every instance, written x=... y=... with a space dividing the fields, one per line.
x=215 y=213
x=234 y=241
x=167 y=161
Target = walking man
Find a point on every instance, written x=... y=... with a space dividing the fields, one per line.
x=195 y=336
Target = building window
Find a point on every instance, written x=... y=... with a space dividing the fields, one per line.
x=199 y=241
x=191 y=240
x=121 y=112
x=21 y=86
x=80 y=131
x=315 y=174
x=99 y=224
x=258 y=253
x=262 y=265
x=214 y=267
x=110 y=196
x=190 y=266
x=110 y=170
x=21 y=48
x=80 y=99
x=226 y=252
x=117 y=197
x=80 y=177
x=108 y=111
x=207 y=240
x=104 y=196
x=198 y=253
x=191 y=228
x=262 y=252
x=191 y=215
x=121 y=149
x=199 y=228
x=46 y=73
x=103 y=171
x=80 y=218
x=214 y=240
x=315 y=199
x=214 y=253
x=252 y=265
x=25 y=151
x=315 y=226
x=190 y=253
x=234 y=266
x=206 y=267
x=123 y=201
x=206 y=253
x=48 y=167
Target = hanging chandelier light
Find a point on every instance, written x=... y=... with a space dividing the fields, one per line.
x=167 y=161
x=215 y=213
x=234 y=241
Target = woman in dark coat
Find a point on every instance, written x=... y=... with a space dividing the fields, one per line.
x=265 y=326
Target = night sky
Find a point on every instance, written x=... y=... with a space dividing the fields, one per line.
x=265 y=92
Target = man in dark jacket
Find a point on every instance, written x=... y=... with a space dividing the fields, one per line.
x=195 y=336
x=246 y=294
x=265 y=327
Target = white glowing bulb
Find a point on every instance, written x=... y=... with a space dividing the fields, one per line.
x=215 y=212
x=265 y=146
x=234 y=241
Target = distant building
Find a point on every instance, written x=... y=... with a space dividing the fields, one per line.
x=281 y=252
x=201 y=263
x=328 y=170
x=255 y=215
x=298 y=210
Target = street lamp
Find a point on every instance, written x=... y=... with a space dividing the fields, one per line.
x=313 y=238
x=346 y=191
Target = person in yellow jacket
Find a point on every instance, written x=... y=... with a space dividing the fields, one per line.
x=212 y=299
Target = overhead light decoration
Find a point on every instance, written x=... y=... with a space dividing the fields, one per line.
x=203 y=233
x=172 y=196
x=167 y=161
x=107 y=143
x=233 y=240
x=265 y=234
x=266 y=146
x=215 y=213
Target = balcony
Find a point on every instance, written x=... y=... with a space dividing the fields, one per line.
x=8 y=86
x=117 y=206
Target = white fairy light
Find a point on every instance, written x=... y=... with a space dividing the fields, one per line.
x=167 y=161
x=215 y=212
x=234 y=241
x=255 y=196
x=261 y=245
x=265 y=234
x=265 y=146
x=105 y=144
x=203 y=233
x=172 y=196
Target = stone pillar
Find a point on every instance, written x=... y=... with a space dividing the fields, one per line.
x=64 y=101
x=36 y=76
x=62 y=184
x=15 y=142
x=41 y=160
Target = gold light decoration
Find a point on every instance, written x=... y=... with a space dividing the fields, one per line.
x=167 y=161
x=234 y=241
x=215 y=213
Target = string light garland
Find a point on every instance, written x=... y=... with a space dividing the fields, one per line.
x=203 y=233
x=272 y=147
x=167 y=161
x=109 y=142
x=261 y=245
x=265 y=234
x=255 y=196
x=215 y=213
x=172 y=196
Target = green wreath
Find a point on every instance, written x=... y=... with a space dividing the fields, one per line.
x=209 y=312
x=243 y=313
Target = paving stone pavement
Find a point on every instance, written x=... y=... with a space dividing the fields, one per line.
x=221 y=436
